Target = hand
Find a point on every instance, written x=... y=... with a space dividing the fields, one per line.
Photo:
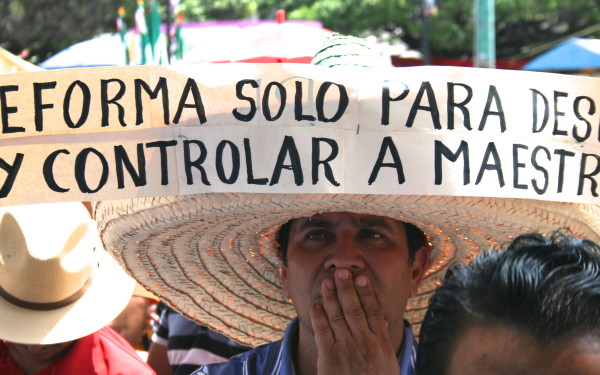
x=350 y=329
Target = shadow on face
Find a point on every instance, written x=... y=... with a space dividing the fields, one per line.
x=37 y=356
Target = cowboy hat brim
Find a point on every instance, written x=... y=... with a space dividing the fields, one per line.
x=105 y=297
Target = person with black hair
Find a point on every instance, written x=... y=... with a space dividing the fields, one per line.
x=532 y=309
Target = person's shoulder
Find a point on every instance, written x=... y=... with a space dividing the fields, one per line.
x=252 y=362
x=109 y=335
x=120 y=352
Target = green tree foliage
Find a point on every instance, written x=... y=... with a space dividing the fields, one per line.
x=209 y=10
x=44 y=27
x=520 y=24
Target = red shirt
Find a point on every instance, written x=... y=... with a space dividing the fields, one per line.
x=103 y=352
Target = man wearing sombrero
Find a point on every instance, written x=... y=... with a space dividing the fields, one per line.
x=59 y=290
x=348 y=275
x=324 y=280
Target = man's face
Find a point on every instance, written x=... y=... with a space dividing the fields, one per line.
x=368 y=245
x=500 y=349
x=38 y=353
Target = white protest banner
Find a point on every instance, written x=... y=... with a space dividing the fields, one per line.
x=123 y=132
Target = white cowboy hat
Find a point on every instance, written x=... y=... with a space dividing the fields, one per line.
x=57 y=283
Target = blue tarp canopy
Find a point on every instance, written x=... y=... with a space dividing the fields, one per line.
x=573 y=55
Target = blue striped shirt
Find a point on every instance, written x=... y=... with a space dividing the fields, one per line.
x=190 y=345
x=276 y=358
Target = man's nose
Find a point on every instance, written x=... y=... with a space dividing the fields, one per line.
x=346 y=253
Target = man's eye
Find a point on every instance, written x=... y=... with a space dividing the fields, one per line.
x=373 y=234
x=316 y=235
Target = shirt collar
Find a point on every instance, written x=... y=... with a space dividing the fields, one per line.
x=408 y=351
x=287 y=360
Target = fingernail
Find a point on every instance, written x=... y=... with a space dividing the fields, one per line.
x=362 y=281
x=317 y=305
x=343 y=274
x=329 y=284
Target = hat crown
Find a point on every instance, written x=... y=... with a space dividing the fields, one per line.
x=45 y=256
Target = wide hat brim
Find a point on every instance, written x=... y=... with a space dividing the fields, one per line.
x=106 y=296
x=213 y=256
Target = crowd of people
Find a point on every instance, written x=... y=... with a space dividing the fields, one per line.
x=261 y=284
x=530 y=307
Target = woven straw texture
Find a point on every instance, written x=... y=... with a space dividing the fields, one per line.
x=213 y=256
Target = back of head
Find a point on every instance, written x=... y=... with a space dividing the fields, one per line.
x=547 y=287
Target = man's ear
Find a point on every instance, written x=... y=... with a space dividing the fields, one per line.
x=420 y=265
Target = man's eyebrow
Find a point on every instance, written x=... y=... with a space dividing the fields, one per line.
x=374 y=222
x=360 y=222
x=315 y=223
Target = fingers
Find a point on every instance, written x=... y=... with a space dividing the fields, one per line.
x=371 y=306
x=350 y=329
x=333 y=311
x=323 y=333
x=350 y=305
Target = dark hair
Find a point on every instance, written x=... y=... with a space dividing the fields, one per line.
x=415 y=239
x=547 y=287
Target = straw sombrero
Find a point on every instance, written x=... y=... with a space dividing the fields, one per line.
x=213 y=256
x=57 y=283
